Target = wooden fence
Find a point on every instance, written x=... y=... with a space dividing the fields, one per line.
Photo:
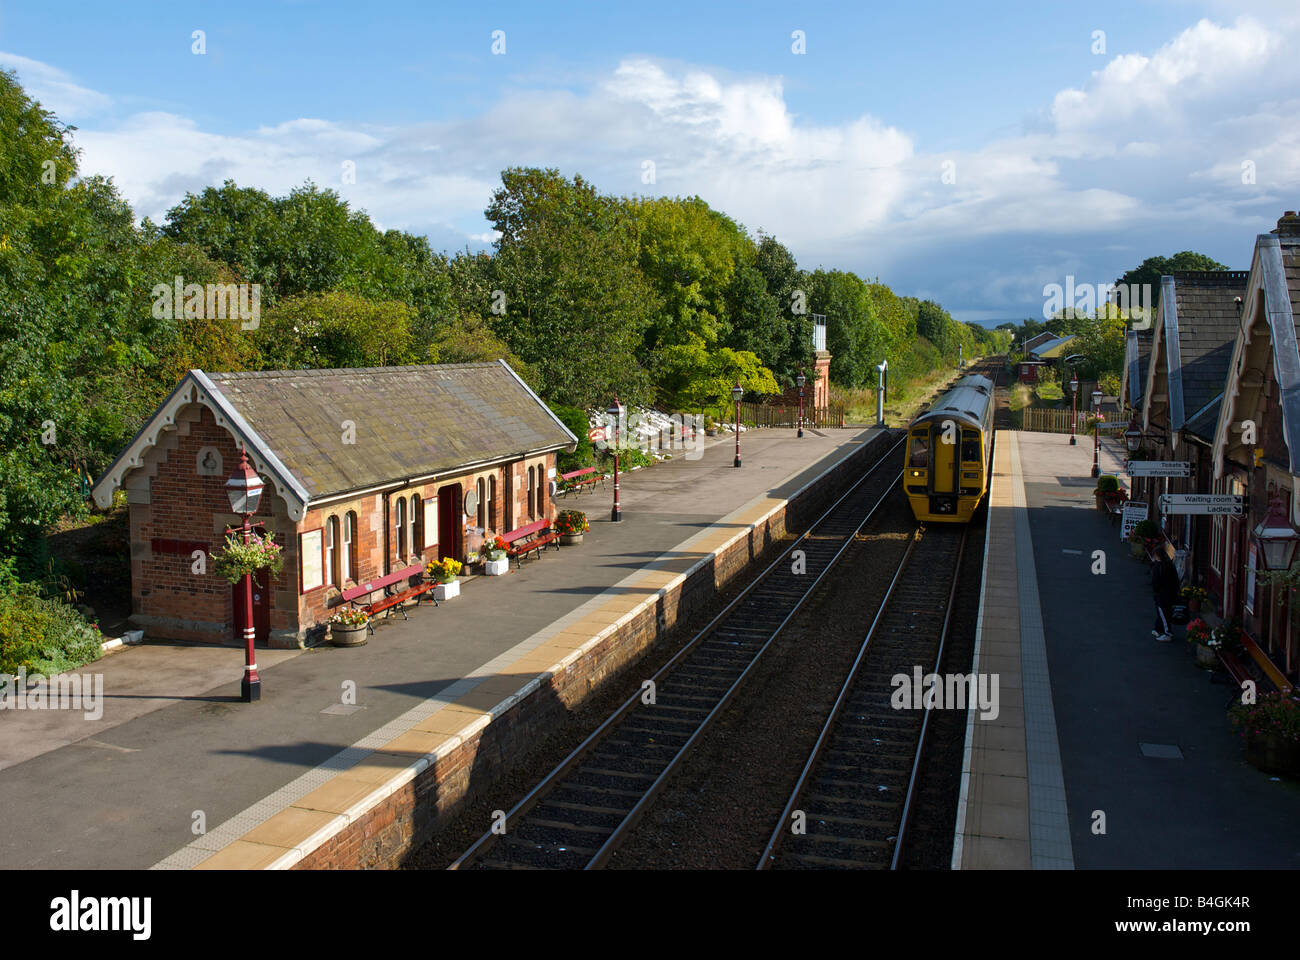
x=1058 y=421
x=786 y=415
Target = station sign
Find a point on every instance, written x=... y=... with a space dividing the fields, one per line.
x=1158 y=468
x=596 y=434
x=1201 y=503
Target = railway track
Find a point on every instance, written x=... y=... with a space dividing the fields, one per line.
x=584 y=808
x=852 y=802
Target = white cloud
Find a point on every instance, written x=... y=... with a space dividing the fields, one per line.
x=53 y=88
x=1142 y=157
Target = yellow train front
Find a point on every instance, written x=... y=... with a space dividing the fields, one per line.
x=949 y=453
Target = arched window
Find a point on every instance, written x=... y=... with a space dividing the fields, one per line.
x=331 y=551
x=541 y=490
x=492 y=501
x=417 y=541
x=401 y=527
x=482 y=502
x=350 y=546
x=532 y=502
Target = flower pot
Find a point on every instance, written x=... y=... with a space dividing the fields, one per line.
x=1100 y=498
x=496 y=568
x=569 y=539
x=1205 y=655
x=1194 y=605
x=445 y=591
x=348 y=634
x=1273 y=754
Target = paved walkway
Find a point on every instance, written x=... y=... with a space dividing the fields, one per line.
x=1136 y=732
x=175 y=748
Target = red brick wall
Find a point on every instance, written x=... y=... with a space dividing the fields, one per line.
x=182 y=505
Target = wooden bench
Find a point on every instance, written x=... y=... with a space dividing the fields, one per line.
x=389 y=599
x=577 y=479
x=526 y=539
x=1236 y=670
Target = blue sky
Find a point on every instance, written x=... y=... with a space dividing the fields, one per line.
x=968 y=152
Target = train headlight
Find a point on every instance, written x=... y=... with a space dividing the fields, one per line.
x=916 y=473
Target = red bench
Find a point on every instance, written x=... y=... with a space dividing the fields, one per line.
x=526 y=539
x=389 y=599
x=576 y=479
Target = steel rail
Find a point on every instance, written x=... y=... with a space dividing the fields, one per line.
x=925 y=719
x=824 y=737
x=485 y=842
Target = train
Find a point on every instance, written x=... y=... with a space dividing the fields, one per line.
x=949 y=459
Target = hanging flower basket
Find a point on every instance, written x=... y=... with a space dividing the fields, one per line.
x=237 y=559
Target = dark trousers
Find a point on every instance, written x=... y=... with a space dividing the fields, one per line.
x=1162 y=619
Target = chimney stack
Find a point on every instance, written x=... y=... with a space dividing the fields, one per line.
x=1288 y=225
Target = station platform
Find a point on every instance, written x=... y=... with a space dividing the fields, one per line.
x=178 y=773
x=1111 y=749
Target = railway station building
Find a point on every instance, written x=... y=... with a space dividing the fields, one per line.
x=367 y=471
x=1191 y=340
x=1256 y=447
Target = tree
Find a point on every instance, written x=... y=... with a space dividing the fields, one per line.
x=689 y=254
x=1150 y=270
x=323 y=330
x=573 y=303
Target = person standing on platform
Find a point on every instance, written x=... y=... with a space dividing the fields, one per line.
x=1164 y=589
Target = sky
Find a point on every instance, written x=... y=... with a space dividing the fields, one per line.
x=968 y=152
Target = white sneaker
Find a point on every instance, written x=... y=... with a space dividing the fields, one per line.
x=1165 y=637
x=1156 y=634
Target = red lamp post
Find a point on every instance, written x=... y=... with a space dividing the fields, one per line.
x=736 y=394
x=244 y=488
x=1074 y=409
x=801 y=380
x=615 y=411
x=1096 y=433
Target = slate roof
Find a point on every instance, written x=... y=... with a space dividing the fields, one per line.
x=1137 y=355
x=409 y=421
x=1203 y=424
x=1207 y=328
x=1037 y=339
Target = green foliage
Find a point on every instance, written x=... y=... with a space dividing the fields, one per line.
x=41 y=635
x=1107 y=483
x=583 y=456
x=1151 y=269
x=339 y=330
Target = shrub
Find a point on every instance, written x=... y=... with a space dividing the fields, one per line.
x=42 y=635
x=1108 y=483
x=583 y=455
x=1145 y=530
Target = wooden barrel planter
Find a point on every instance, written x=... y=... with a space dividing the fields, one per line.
x=1274 y=754
x=348 y=634
x=570 y=539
